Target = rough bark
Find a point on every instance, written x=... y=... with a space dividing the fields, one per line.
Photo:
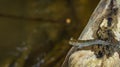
x=87 y=58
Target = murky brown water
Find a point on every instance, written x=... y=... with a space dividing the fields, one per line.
x=35 y=33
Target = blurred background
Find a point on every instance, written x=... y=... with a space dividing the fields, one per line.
x=35 y=33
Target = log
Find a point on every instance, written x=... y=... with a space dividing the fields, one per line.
x=106 y=17
x=87 y=58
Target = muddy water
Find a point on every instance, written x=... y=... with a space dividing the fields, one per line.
x=35 y=33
